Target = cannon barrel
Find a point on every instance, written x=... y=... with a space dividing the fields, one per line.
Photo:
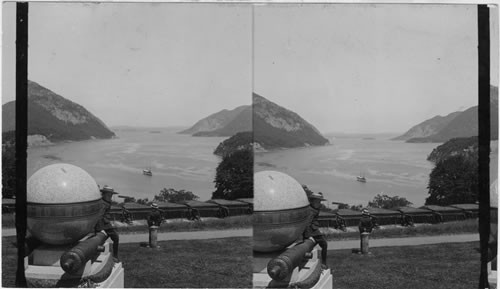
x=73 y=260
x=282 y=266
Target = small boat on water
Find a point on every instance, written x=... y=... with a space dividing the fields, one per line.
x=147 y=172
x=361 y=177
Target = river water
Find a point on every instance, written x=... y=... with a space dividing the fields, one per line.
x=177 y=161
x=394 y=168
x=185 y=162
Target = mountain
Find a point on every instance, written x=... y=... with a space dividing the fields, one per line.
x=464 y=125
x=455 y=125
x=223 y=123
x=9 y=116
x=278 y=127
x=240 y=123
x=55 y=118
x=428 y=127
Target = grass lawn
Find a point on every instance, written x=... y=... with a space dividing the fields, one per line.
x=443 y=266
x=222 y=263
x=227 y=263
x=190 y=263
x=448 y=228
x=9 y=262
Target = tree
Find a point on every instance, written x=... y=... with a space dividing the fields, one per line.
x=239 y=141
x=454 y=180
x=171 y=195
x=349 y=207
x=143 y=201
x=234 y=176
x=129 y=200
x=466 y=146
x=343 y=206
x=387 y=202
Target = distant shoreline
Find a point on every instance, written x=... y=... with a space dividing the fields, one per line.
x=37 y=141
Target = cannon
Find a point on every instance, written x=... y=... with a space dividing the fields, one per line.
x=63 y=205
x=281 y=213
x=283 y=265
x=72 y=260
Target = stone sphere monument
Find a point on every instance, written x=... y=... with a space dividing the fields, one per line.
x=63 y=204
x=281 y=259
x=281 y=211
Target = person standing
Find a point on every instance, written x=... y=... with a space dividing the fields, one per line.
x=104 y=224
x=154 y=221
x=155 y=217
x=193 y=214
x=366 y=223
x=126 y=216
x=312 y=230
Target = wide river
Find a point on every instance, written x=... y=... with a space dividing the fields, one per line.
x=177 y=161
x=390 y=167
x=185 y=162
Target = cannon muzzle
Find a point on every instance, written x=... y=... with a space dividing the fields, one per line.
x=73 y=260
x=282 y=266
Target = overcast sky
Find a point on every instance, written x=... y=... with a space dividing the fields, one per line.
x=138 y=64
x=367 y=68
x=363 y=68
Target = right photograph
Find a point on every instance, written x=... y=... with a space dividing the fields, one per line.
x=366 y=141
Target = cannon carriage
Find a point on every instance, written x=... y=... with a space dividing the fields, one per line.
x=471 y=211
x=230 y=207
x=445 y=214
x=417 y=215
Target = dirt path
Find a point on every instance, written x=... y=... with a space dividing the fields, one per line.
x=8 y=232
x=195 y=235
x=407 y=241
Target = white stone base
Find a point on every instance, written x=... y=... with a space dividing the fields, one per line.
x=116 y=279
x=325 y=281
x=492 y=276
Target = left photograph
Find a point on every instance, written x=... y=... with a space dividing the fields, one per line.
x=140 y=165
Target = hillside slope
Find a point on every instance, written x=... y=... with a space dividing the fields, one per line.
x=222 y=123
x=278 y=127
x=456 y=125
x=55 y=117
x=240 y=123
x=428 y=127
